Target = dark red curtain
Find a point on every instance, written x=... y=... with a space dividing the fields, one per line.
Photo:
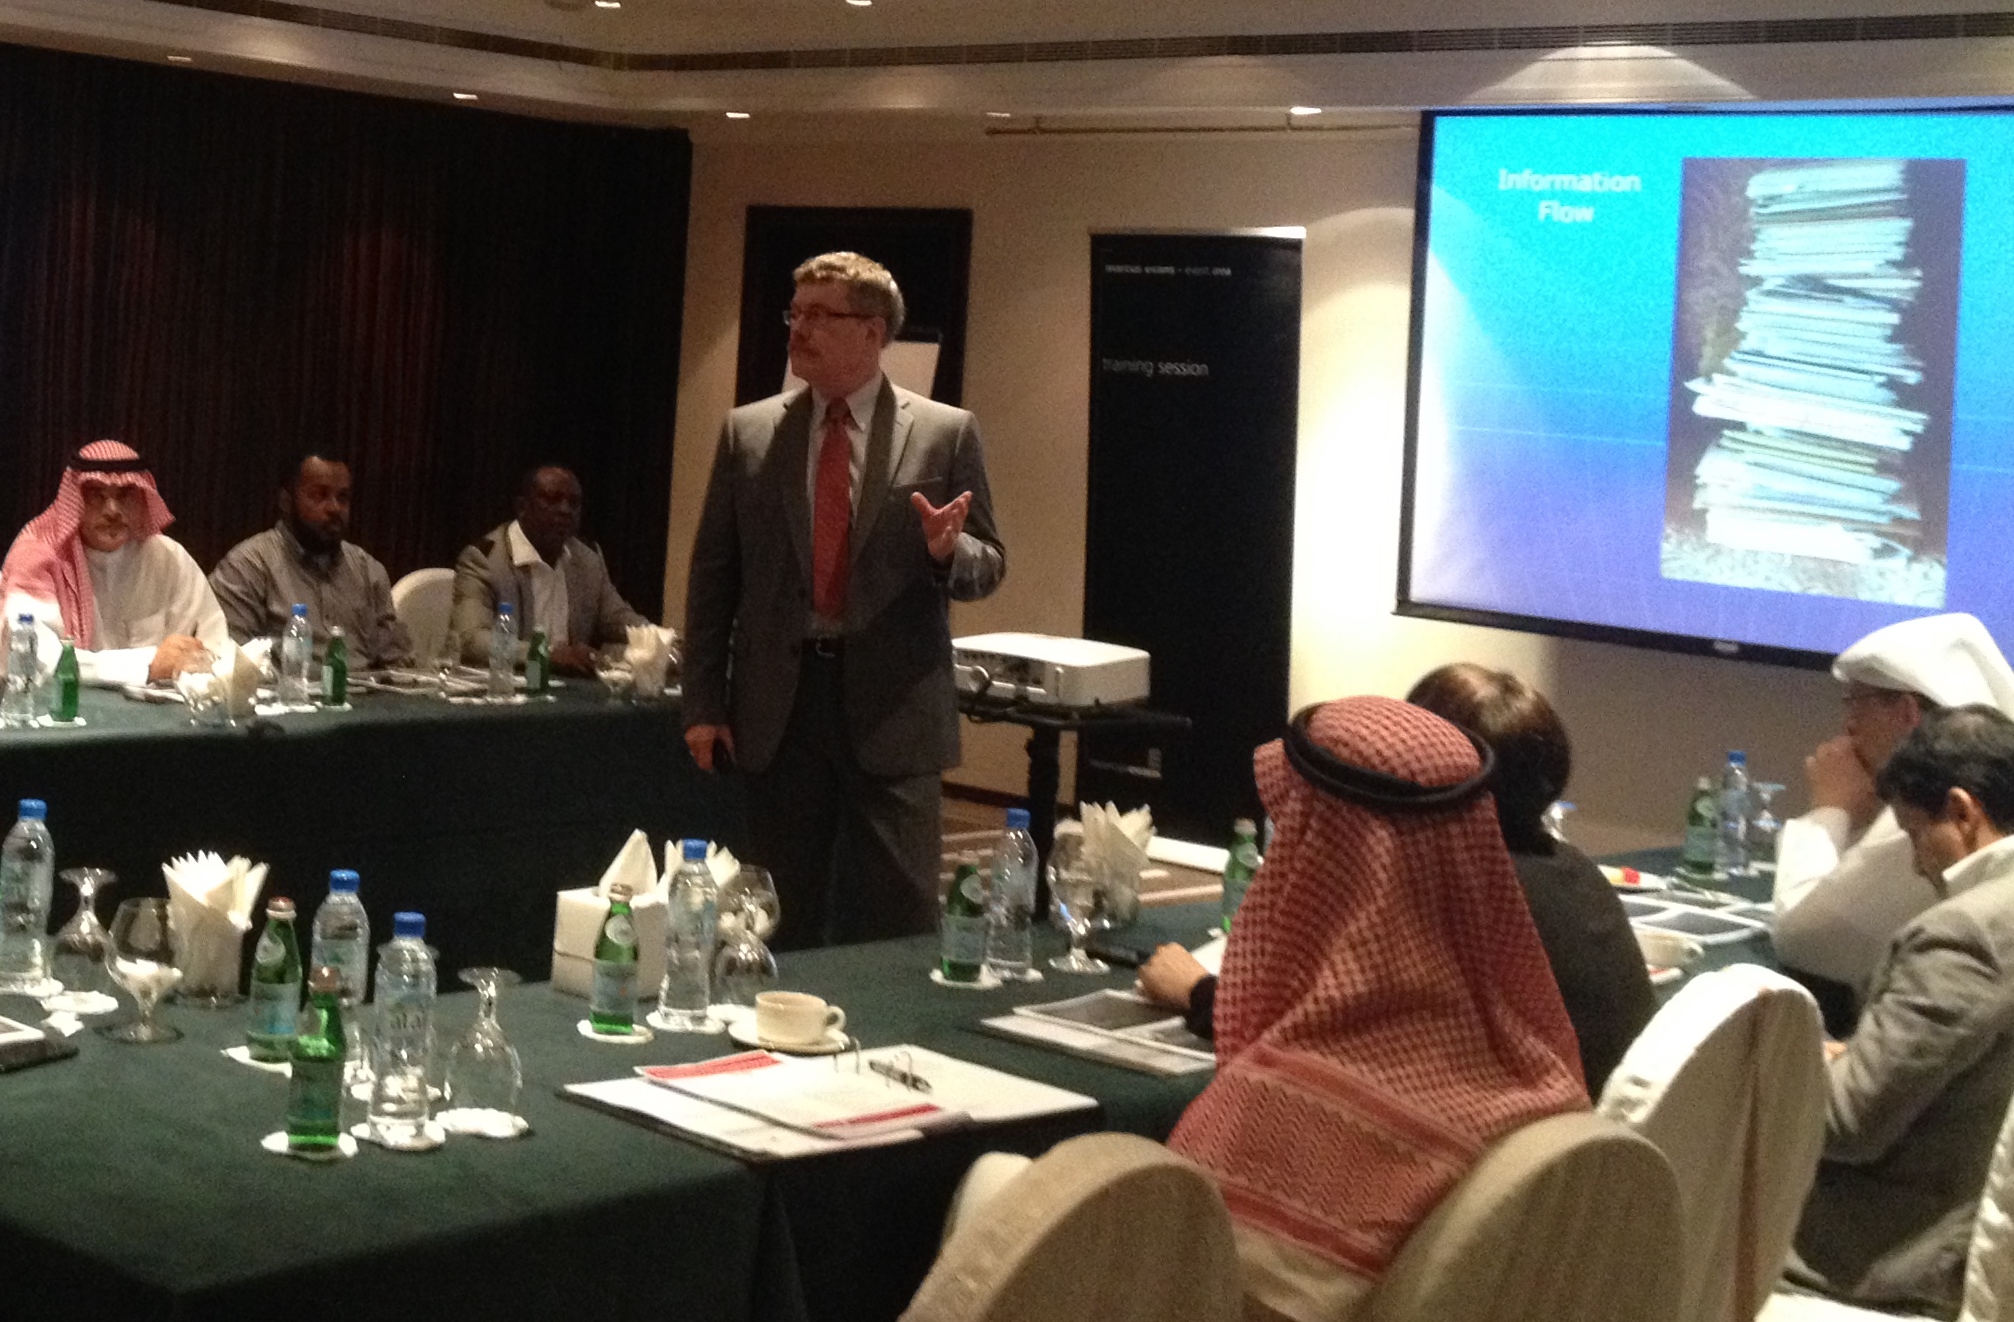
x=222 y=271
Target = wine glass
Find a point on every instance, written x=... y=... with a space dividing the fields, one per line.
x=141 y=958
x=611 y=667
x=79 y=949
x=447 y=655
x=743 y=966
x=1765 y=829
x=1074 y=890
x=760 y=888
x=484 y=1073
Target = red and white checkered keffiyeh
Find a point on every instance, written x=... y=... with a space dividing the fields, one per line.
x=1385 y=1011
x=47 y=560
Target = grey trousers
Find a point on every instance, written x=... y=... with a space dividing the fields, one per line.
x=855 y=856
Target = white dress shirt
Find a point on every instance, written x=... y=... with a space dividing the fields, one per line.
x=141 y=593
x=549 y=608
x=1840 y=900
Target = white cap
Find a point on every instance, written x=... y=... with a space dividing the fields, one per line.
x=1949 y=659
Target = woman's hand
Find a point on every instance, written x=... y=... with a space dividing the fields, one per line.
x=1169 y=977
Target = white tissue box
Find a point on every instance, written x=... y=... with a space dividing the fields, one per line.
x=577 y=926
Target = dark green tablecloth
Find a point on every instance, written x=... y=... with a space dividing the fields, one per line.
x=132 y=1185
x=472 y=815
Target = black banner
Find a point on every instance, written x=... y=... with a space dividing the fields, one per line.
x=1195 y=377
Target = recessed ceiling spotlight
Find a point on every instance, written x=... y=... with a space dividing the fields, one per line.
x=464 y=96
x=737 y=114
x=999 y=114
x=860 y=4
x=1304 y=110
x=608 y=4
x=181 y=59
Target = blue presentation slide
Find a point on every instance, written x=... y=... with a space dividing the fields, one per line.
x=1732 y=376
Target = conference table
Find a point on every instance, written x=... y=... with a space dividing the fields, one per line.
x=132 y=1184
x=473 y=814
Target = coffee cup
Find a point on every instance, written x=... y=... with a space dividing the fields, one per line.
x=795 y=1019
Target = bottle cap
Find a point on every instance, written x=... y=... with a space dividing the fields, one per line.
x=1244 y=826
x=335 y=631
x=326 y=979
x=407 y=923
x=343 y=882
x=619 y=891
x=693 y=851
x=1017 y=819
x=300 y=610
x=279 y=907
x=1737 y=758
x=505 y=608
x=26 y=619
x=34 y=810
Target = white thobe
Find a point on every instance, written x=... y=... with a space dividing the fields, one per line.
x=1839 y=900
x=142 y=593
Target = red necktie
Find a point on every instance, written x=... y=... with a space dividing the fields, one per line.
x=832 y=514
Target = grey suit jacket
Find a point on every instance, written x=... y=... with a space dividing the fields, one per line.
x=748 y=597
x=484 y=575
x=1916 y=1104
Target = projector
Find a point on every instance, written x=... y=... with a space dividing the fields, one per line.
x=1046 y=671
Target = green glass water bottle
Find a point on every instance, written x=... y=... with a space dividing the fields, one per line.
x=611 y=1007
x=315 y=1093
x=276 y=986
x=64 y=707
x=336 y=669
x=962 y=930
x=1241 y=863
x=1702 y=832
x=538 y=664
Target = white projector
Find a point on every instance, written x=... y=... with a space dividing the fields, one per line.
x=1046 y=671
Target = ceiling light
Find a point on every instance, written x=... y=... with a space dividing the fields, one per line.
x=999 y=114
x=737 y=114
x=608 y=4
x=860 y=4
x=1304 y=110
x=181 y=59
x=464 y=96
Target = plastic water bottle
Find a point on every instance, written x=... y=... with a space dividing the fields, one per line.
x=692 y=926
x=1010 y=908
x=341 y=935
x=17 y=703
x=503 y=653
x=297 y=654
x=1730 y=853
x=27 y=875
x=402 y=1043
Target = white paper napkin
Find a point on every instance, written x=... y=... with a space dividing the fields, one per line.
x=649 y=656
x=632 y=866
x=210 y=902
x=720 y=862
x=1114 y=839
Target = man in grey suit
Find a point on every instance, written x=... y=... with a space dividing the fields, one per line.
x=554 y=580
x=1918 y=1092
x=840 y=522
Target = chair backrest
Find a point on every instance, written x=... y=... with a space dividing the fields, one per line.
x=1569 y=1219
x=1106 y=1226
x=1989 y=1266
x=422 y=600
x=1729 y=1082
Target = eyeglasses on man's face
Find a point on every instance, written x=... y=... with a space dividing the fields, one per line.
x=814 y=317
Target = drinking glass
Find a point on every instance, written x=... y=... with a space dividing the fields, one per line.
x=141 y=958
x=612 y=669
x=760 y=888
x=743 y=966
x=1765 y=829
x=1074 y=889
x=484 y=1073
x=1556 y=814
x=78 y=961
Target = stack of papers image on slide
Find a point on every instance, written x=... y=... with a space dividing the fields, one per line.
x=1814 y=459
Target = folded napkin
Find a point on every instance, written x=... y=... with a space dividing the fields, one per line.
x=649 y=655
x=210 y=902
x=633 y=866
x=1114 y=839
x=240 y=669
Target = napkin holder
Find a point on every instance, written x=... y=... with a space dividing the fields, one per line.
x=577 y=927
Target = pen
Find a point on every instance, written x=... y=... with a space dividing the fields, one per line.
x=896 y=1074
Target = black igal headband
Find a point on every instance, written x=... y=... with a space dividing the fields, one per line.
x=79 y=464
x=1377 y=789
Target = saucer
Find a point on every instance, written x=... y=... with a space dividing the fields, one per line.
x=834 y=1041
x=276 y=1143
x=482 y=1123
x=988 y=980
x=430 y=1136
x=635 y=1037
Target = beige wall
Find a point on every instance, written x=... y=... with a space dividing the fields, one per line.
x=1644 y=723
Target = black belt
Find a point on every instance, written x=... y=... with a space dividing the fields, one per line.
x=825 y=648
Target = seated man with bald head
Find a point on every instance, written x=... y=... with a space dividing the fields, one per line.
x=557 y=582
x=96 y=567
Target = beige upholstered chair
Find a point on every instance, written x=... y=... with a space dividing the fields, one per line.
x=1105 y=1226
x=1989 y=1264
x=1729 y=1082
x=422 y=600
x=1569 y=1219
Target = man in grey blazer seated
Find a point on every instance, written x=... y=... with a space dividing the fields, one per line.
x=554 y=580
x=840 y=522
x=1919 y=1090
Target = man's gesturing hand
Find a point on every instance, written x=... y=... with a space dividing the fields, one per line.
x=942 y=523
x=701 y=740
